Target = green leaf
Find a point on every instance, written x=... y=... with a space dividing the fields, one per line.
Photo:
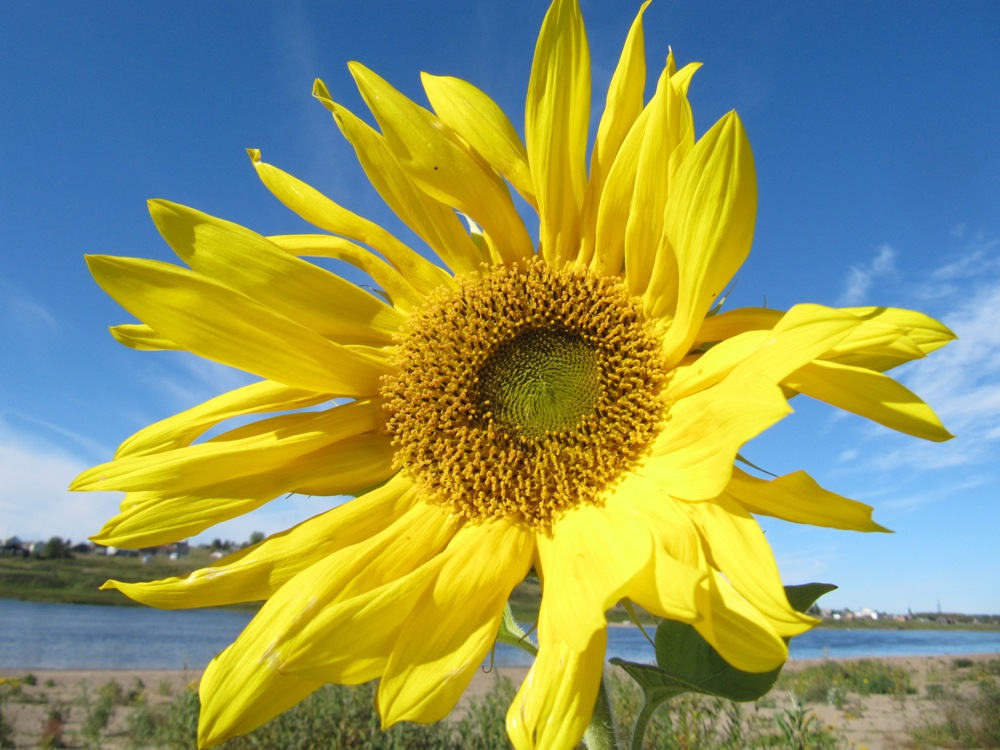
x=804 y=596
x=686 y=662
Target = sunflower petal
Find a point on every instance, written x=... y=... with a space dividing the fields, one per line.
x=141 y=337
x=150 y=518
x=676 y=570
x=405 y=297
x=556 y=116
x=462 y=608
x=480 y=121
x=261 y=447
x=869 y=394
x=433 y=221
x=553 y=706
x=733 y=539
x=734 y=322
x=741 y=634
x=182 y=429
x=217 y=323
x=366 y=596
x=624 y=103
x=260 y=697
x=301 y=291
x=322 y=212
x=254 y=665
x=587 y=564
x=693 y=457
x=616 y=200
x=255 y=573
x=709 y=221
x=798 y=498
x=443 y=166
x=652 y=186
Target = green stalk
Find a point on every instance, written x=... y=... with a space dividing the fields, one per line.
x=600 y=735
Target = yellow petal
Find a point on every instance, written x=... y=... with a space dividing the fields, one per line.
x=272 y=694
x=217 y=323
x=734 y=322
x=182 y=429
x=454 y=624
x=587 y=563
x=303 y=292
x=434 y=222
x=798 y=498
x=737 y=548
x=616 y=200
x=253 y=666
x=670 y=584
x=709 y=221
x=741 y=634
x=624 y=103
x=151 y=518
x=693 y=457
x=556 y=116
x=803 y=334
x=553 y=706
x=652 y=186
x=365 y=595
x=405 y=297
x=322 y=212
x=264 y=446
x=443 y=166
x=255 y=573
x=926 y=332
x=869 y=394
x=141 y=337
x=480 y=121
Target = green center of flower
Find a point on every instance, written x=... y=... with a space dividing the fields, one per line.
x=523 y=391
x=540 y=382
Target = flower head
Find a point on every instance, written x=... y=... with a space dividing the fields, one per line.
x=574 y=407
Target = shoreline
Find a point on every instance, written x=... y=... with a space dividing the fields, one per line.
x=877 y=722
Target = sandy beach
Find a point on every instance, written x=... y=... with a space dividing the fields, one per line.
x=875 y=722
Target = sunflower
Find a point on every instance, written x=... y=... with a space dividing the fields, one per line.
x=573 y=406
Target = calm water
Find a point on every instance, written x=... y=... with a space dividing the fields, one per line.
x=78 y=636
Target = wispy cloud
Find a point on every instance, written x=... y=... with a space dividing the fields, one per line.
x=860 y=278
x=20 y=311
x=962 y=381
x=34 y=500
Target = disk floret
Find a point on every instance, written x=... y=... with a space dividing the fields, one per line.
x=526 y=391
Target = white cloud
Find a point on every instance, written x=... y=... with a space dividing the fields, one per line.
x=19 y=311
x=860 y=278
x=34 y=500
x=961 y=382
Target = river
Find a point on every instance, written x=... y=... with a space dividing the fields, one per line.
x=36 y=635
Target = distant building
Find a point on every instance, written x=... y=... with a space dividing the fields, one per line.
x=14 y=547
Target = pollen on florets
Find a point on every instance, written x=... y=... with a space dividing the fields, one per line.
x=525 y=391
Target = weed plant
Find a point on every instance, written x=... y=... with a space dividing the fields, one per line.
x=968 y=722
x=831 y=681
x=693 y=722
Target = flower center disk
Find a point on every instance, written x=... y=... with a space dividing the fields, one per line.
x=524 y=391
x=540 y=382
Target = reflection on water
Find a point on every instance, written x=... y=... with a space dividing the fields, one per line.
x=78 y=636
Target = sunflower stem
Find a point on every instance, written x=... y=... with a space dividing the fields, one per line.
x=600 y=735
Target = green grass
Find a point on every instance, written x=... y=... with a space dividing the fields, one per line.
x=77 y=580
x=832 y=681
x=969 y=721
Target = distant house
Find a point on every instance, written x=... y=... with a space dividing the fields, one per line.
x=14 y=547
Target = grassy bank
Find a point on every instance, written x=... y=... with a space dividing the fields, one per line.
x=76 y=580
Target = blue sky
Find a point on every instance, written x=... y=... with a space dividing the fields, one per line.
x=874 y=132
